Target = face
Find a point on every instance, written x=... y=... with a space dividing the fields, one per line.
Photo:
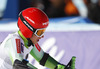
x=35 y=39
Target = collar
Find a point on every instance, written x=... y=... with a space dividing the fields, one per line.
x=24 y=39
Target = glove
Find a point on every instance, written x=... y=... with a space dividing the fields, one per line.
x=70 y=65
x=20 y=65
x=60 y=66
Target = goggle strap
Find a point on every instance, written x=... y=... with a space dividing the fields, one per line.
x=26 y=23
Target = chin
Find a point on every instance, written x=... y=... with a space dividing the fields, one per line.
x=35 y=43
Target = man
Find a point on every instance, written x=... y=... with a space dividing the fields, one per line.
x=14 y=50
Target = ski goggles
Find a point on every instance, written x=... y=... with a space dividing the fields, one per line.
x=39 y=32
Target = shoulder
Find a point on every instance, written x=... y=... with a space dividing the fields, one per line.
x=12 y=38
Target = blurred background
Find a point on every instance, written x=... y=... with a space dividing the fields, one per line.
x=74 y=29
x=53 y=8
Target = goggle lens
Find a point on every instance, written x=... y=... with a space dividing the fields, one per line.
x=40 y=32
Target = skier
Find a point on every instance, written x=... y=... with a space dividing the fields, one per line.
x=14 y=50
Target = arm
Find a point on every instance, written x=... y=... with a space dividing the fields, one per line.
x=11 y=46
x=46 y=60
x=43 y=58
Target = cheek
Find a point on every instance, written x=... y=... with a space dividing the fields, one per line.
x=34 y=40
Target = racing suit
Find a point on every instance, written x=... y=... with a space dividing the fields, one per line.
x=15 y=46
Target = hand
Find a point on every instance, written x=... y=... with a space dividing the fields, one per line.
x=20 y=65
x=70 y=65
x=60 y=66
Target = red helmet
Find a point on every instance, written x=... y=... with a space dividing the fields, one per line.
x=31 y=19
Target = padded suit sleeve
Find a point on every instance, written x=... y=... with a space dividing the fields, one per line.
x=42 y=57
x=37 y=52
x=13 y=49
x=49 y=62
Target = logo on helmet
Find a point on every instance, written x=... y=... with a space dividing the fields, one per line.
x=30 y=19
x=46 y=23
x=28 y=25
